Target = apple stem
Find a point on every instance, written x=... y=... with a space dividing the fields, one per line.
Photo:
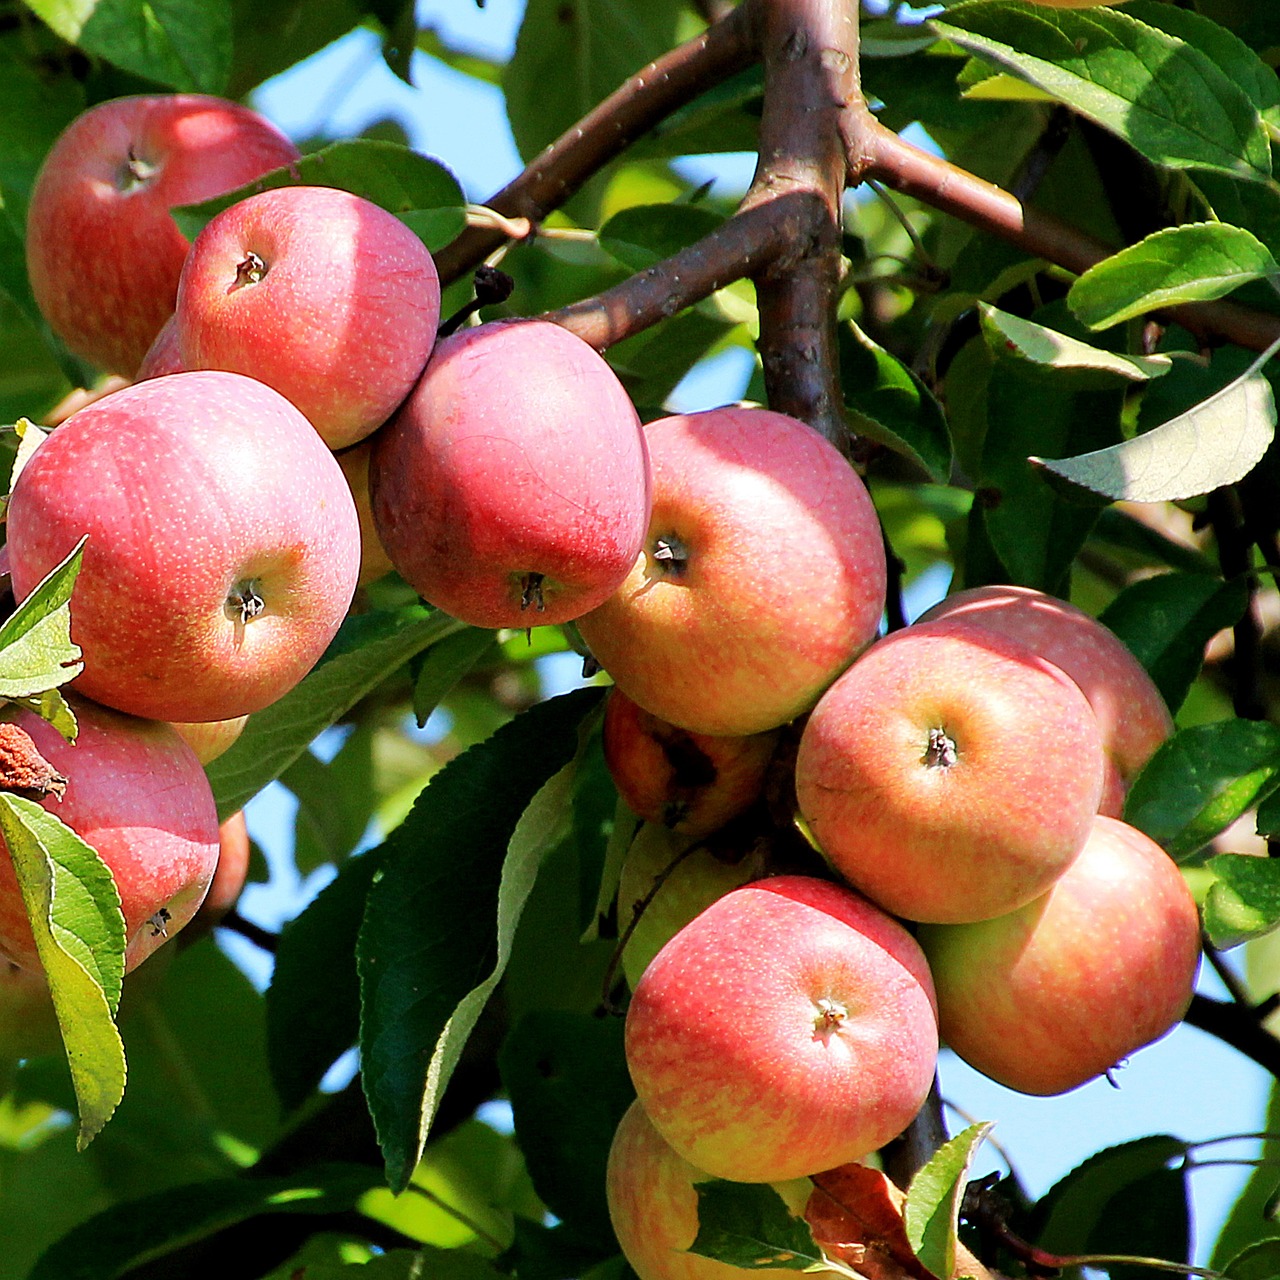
x=492 y=287
x=941 y=752
x=531 y=592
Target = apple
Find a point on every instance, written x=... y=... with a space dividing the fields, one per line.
x=374 y=561
x=789 y=1028
x=319 y=293
x=1064 y=988
x=230 y=874
x=762 y=575
x=223 y=544
x=162 y=356
x=103 y=252
x=951 y=774
x=512 y=489
x=210 y=738
x=692 y=783
x=1130 y=711
x=136 y=793
x=653 y=1205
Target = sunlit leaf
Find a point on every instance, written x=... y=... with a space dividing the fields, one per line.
x=1244 y=900
x=749 y=1225
x=36 y=649
x=1046 y=346
x=932 y=1211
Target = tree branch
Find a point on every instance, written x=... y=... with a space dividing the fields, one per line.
x=726 y=47
x=1237 y=1027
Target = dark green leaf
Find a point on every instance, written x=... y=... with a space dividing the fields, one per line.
x=79 y=930
x=1044 y=346
x=313 y=1002
x=36 y=649
x=568 y=1083
x=889 y=404
x=364 y=652
x=444 y=664
x=1191 y=263
x=1201 y=780
x=388 y=174
x=127 y=1235
x=725 y=118
x=1244 y=900
x=271 y=35
x=1168 y=619
x=439 y=922
x=932 y=1211
x=1160 y=94
x=650 y=364
x=335 y=801
x=1260 y=1261
x=185 y=44
x=749 y=1225
x=644 y=234
x=435 y=227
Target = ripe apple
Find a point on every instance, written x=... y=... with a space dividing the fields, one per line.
x=374 y=561
x=228 y=877
x=1130 y=711
x=787 y=1029
x=137 y=794
x=210 y=738
x=950 y=774
x=320 y=294
x=162 y=355
x=1059 y=991
x=512 y=489
x=222 y=549
x=103 y=252
x=762 y=575
x=653 y=1205
x=692 y=783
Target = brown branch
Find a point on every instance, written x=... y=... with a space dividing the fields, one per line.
x=810 y=53
x=1238 y=1027
x=625 y=115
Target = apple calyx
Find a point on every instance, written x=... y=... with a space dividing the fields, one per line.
x=941 y=752
x=531 y=592
x=671 y=554
x=137 y=172
x=244 y=603
x=831 y=1014
x=251 y=271
x=160 y=923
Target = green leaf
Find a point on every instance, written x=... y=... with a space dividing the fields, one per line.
x=1260 y=1261
x=1154 y=90
x=185 y=44
x=335 y=801
x=313 y=1002
x=644 y=234
x=444 y=664
x=364 y=652
x=567 y=1079
x=932 y=1211
x=393 y=176
x=650 y=364
x=439 y=922
x=52 y=707
x=749 y=1225
x=36 y=650
x=1244 y=900
x=1044 y=346
x=889 y=404
x=1216 y=443
x=79 y=930
x=128 y=1235
x=1167 y=620
x=1191 y=263
x=1201 y=780
x=435 y=227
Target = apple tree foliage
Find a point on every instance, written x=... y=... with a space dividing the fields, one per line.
x=1051 y=353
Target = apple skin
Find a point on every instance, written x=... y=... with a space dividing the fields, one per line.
x=163 y=356
x=210 y=738
x=137 y=794
x=692 y=783
x=512 y=489
x=653 y=1205
x=374 y=561
x=1059 y=991
x=778 y=579
x=1131 y=713
x=194 y=490
x=950 y=774
x=103 y=252
x=788 y=1029
x=320 y=294
x=229 y=876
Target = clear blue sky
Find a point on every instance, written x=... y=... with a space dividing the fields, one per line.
x=1189 y=1085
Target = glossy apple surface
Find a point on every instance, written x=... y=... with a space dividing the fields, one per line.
x=223 y=544
x=789 y=1028
x=374 y=561
x=320 y=294
x=762 y=575
x=1130 y=711
x=653 y=1205
x=512 y=489
x=137 y=794
x=103 y=252
x=950 y=774
x=1063 y=989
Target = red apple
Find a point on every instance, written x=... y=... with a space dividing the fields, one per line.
x=653 y=1205
x=320 y=294
x=374 y=561
x=513 y=487
x=103 y=252
x=162 y=356
x=1062 y=989
x=787 y=1029
x=950 y=774
x=1130 y=711
x=690 y=782
x=222 y=550
x=762 y=575
x=137 y=794
x=230 y=874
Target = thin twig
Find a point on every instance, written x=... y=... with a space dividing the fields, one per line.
x=260 y=937
x=1238 y=1028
